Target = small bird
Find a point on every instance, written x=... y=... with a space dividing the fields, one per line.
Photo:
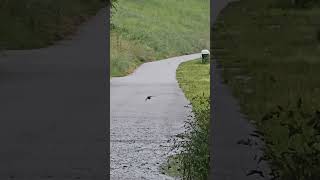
x=148 y=98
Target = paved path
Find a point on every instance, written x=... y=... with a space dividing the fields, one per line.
x=139 y=129
x=230 y=160
x=53 y=108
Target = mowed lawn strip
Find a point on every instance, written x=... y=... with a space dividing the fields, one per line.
x=194 y=80
x=148 y=30
x=271 y=62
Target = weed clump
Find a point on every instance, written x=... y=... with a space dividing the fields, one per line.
x=297 y=158
x=194 y=143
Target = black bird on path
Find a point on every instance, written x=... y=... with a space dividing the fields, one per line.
x=148 y=98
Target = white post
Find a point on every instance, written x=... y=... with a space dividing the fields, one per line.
x=205 y=55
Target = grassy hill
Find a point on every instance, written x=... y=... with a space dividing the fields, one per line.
x=146 y=30
x=27 y=24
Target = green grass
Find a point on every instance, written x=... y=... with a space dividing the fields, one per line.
x=147 y=30
x=28 y=24
x=271 y=59
x=194 y=80
x=193 y=161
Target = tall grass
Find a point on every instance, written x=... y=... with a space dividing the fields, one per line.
x=295 y=155
x=194 y=157
x=159 y=29
x=38 y=23
x=126 y=55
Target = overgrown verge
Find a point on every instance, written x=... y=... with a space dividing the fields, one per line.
x=271 y=62
x=295 y=154
x=192 y=161
x=148 y=30
x=27 y=24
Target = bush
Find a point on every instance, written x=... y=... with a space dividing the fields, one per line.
x=194 y=156
x=297 y=158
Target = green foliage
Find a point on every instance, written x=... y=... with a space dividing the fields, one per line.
x=194 y=142
x=113 y=6
x=126 y=55
x=113 y=3
x=295 y=155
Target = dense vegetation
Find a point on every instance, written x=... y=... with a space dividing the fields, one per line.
x=37 y=23
x=271 y=61
x=146 y=30
x=193 y=160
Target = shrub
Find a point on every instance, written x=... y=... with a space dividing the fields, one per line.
x=297 y=158
x=193 y=143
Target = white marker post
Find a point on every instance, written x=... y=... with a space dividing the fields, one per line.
x=205 y=55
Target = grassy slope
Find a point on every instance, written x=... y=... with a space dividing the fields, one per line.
x=146 y=30
x=271 y=59
x=194 y=80
x=29 y=24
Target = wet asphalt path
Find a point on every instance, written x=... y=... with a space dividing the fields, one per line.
x=230 y=160
x=139 y=129
x=53 y=108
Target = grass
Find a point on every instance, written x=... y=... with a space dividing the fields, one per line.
x=148 y=30
x=28 y=24
x=271 y=62
x=193 y=160
x=126 y=55
x=194 y=80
